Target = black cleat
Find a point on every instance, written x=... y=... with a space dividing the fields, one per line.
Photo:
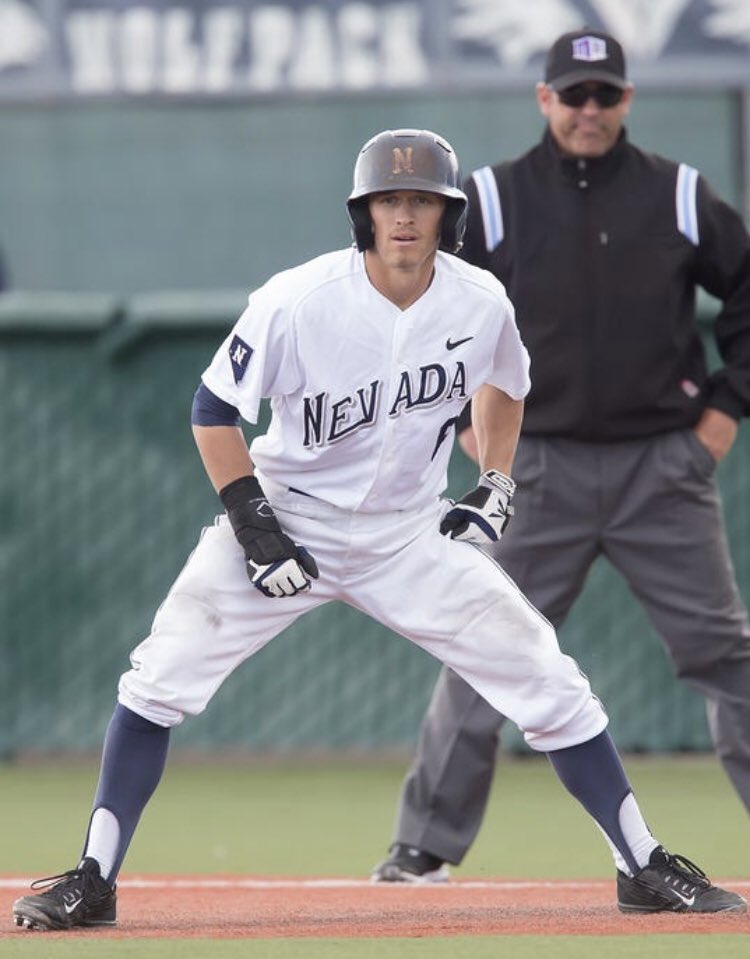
x=673 y=884
x=409 y=864
x=79 y=897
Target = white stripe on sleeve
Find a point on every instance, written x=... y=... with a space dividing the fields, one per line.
x=489 y=201
x=685 y=200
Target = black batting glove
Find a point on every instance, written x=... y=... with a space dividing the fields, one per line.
x=275 y=564
x=481 y=515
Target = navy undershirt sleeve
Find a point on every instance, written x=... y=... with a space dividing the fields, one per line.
x=209 y=410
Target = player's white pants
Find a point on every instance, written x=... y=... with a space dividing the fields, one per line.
x=448 y=597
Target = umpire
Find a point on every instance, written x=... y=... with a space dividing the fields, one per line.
x=601 y=247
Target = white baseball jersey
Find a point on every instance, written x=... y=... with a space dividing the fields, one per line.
x=364 y=395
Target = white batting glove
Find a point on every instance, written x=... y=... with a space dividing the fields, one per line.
x=285 y=577
x=481 y=515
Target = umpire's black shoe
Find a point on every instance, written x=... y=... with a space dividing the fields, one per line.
x=673 y=884
x=409 y=864
x=79 y=897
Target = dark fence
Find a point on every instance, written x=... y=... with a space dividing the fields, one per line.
x=102 y=497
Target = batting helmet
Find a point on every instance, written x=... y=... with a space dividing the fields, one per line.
x=408 y=160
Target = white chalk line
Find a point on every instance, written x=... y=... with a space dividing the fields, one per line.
x=21 y=882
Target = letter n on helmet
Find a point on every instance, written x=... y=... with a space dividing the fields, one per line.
x=408 y=160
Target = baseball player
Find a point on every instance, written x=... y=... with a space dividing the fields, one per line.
x=368 y=355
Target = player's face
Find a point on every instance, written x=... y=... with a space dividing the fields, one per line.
x=406 y=226
x=586 y=130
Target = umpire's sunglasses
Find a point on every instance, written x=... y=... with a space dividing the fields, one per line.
x=604 y=95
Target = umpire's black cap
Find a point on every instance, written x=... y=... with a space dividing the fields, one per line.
x=585 y=55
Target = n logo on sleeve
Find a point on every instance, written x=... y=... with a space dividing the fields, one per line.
x=239 y=354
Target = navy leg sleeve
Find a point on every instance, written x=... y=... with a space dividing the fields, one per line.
x=593 y=773
x=135 y=752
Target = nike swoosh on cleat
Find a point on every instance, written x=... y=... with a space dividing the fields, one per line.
x=451 y=345
x=688 y=900
x=69 y=907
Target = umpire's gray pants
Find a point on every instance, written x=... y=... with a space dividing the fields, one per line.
x=652 y=508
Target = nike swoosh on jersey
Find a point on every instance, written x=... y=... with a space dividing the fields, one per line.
x=452 y=344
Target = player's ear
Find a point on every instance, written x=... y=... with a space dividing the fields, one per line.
x=627 y=99
x=543 y=98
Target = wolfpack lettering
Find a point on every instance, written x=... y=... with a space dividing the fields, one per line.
x=186 y=47
x=327 y=420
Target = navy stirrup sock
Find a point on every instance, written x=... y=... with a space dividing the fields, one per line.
x=592 y=772
x=133 y=760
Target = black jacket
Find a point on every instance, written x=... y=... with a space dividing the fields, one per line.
x=601 y=259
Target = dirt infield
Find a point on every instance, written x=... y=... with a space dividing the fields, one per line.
x=225 y=907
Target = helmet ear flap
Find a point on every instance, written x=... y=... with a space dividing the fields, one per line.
x=361 y=223
x=453 y=226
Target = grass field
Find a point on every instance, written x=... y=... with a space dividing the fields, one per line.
x=335 y=819
x=473 y=947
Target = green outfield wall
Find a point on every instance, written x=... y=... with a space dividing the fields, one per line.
x=151 y=195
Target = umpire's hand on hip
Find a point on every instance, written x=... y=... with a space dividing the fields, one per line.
x=275 y=564
x=481 y=515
